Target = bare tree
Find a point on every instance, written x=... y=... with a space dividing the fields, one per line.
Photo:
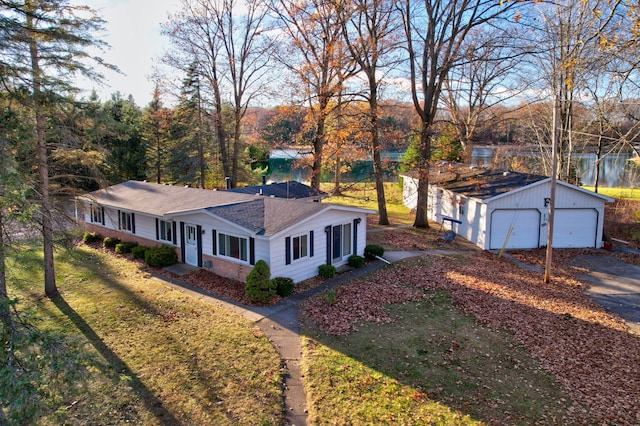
x=371 y=31
x=570 y=39
x=435 y=32
x=226 y=41
x=485 y=78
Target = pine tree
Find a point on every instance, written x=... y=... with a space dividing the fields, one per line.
x=44 y=46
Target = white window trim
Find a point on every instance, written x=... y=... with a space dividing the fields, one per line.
x=161 y=224
x=234 y=259
x=123 y=222
x=94 y=211
x=306 y=248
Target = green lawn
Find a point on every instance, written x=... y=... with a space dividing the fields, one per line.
x=619 y=193
x=432 y=365
x=119 y=347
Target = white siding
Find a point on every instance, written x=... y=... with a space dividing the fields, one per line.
x=307 y=267
x=475 y=214
x=409 y=192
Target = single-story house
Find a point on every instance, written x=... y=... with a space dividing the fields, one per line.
x=495 y=209
x=227 y=232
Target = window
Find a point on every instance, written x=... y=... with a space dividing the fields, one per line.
x=126 y=221
x=97 y=214
x=166 y=231
x=346 y=239
x=341 y=241
x=231 y=246
x=300 y=247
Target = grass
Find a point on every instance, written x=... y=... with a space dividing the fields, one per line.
x=433 y=365
x=363 y=195
x=120 y=347
x=619 y=193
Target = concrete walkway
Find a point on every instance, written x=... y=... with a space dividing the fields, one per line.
x=280 y=324
x=615 y=285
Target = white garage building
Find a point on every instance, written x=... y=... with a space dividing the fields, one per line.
x=509 y=209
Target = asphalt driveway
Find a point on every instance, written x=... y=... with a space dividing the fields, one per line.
x=614 y=284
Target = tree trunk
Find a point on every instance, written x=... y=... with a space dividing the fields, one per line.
x=318 y=144
x=423 y=178
x=50 y=288
x=383 y=218
x=3 y=275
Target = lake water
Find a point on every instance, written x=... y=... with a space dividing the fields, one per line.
x=615 y=170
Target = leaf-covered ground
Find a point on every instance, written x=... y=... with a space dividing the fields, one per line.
x=588 y=350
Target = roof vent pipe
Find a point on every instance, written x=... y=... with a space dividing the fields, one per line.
x=227 y=182
x=264 y=179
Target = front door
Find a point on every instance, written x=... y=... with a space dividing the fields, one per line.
x=191 y=245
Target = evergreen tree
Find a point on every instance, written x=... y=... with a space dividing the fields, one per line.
x=189 y=156
x=156 y=122
x=44 y=45
x=123 y=139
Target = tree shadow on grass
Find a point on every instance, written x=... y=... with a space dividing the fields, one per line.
x=572 y=349
x=153 y=404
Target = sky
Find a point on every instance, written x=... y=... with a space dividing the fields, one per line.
x=133 y=31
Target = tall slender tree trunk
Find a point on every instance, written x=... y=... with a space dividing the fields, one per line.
x=3 y=274
x=423 y=177
x=236 y=149
x=318 y=143
x=383 y=218
x=50 y=288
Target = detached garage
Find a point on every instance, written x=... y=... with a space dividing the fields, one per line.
x=509 y=209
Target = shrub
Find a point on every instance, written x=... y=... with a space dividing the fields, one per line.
x=125 y=247
x=327 y=271
x=356 y=261
x=160 y=256
x=110 y=243
x=284 y=286
x=332 y=296
x=138 y=251
x=373 y=250
x=91 y=237
x=259 y=287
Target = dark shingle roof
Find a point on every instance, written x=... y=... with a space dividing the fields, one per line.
x=261 y=215
x=291 y=189
x=491 y=183
x=476 y=182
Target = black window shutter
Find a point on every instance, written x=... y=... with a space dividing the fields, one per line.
x=199 y=239
x=182 y=241
x=355 y=235
x=287 y=250
x=133 y=223
x=252 y=251
x=102 y=215
x=310 y=243
x=157 y=229
x=327 y=231
x=215 y=242
x=175 y=236
x=119 y=220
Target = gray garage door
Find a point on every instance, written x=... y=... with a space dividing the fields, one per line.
x=524 y=225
